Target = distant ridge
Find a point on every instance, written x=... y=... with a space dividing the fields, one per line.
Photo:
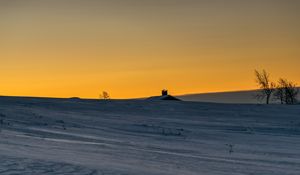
x=245 y=97
x=164 y=97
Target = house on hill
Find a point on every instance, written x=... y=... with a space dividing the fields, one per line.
x=164 y=96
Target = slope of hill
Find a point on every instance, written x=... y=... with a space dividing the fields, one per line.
x=247 y=97
x=67 y=136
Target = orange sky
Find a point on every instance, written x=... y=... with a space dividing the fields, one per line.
x=135 y=48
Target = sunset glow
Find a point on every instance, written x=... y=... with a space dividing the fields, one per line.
x=135 y=48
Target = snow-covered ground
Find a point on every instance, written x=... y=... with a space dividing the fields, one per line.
x=140 y=137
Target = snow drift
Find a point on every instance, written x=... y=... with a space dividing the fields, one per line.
x=66 y=136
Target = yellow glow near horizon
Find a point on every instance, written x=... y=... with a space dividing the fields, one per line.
x=131 y=48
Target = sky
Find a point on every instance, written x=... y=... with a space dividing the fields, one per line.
x=135 y=48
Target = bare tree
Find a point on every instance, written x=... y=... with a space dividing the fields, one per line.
x=289 y=91
x=267 y=87
x=292 y=93
x=104 y=95
x=279 y=94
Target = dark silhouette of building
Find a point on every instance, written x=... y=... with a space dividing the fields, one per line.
x=164 y=96
x=164 y=92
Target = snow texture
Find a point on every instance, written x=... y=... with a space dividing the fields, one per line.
x=145 y=137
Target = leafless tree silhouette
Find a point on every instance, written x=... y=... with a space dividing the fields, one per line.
x=286 y=91
x=104 y=95
x=279 y=94
x=267 y=87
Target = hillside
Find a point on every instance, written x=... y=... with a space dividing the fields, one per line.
x=85 y=137
x=246 y=97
